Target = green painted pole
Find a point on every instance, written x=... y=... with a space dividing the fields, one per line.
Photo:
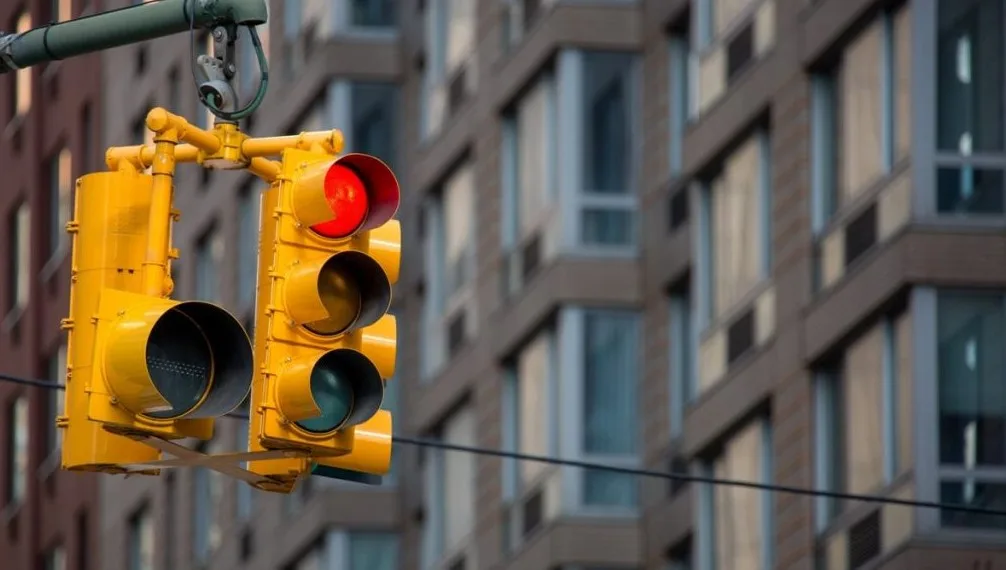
x=121 y=27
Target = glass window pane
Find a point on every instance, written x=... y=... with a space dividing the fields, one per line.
x=862 y=395
x=968 y=190
x=737 y=510
x=607 y=123
x=972 y=393
x=862 y=112
x=374 y=120
x=373 y=13
x=607 y=227
x=141 y=541
x=610 y=351
x=976 y=495
x=248 y=237
x=459 y=480
x=209 y=257
x=22 y=77
x=532 y=413
x=17 y=480
x=373 y=551
x=970 y=76
x=458 y=212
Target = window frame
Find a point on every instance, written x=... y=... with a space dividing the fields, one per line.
x=929 y=472
x=513 y=492
x=18 y=445
x=705 y=509
x=829 y=408
x=570 y=356
x=573 y=198
x=704 y=285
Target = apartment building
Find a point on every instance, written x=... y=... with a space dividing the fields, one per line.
x=751 y=239
x=49 y=119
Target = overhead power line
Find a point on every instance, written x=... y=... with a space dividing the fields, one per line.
x=674 y=476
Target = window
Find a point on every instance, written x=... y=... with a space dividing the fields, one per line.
x=207 y=501
x=351 y=551
x=861 y=119
x=449 y=491
x=737 y=520
x=19 y=277
x=450 y=264
x=972 y=413
x=609 y=149
x=57 y=373
x=862 y=410
x=611 y=351
x=683 y=354
x=209 y=257
x=529 y=182
x=248 y=242
x=22 y=88
x=731 y=36
x=60 y=188
x=372 y=13
x=373 y=120
x=17 y=478
x=372 y=551
x=62 y=10
x=680 y=91
x=141 y=541
x=450 y=37
x=969 y=117
x=244 y=493
x=392 y=389
x=86 y=138
x=529 y=414
x=735 y=243
x=55 y=558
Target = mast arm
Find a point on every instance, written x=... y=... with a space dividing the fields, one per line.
x=124 y=26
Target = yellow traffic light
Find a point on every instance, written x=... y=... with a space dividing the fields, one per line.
x=140 y=364
x=330 y=253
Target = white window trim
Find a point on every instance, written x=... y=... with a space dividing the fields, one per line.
x=570 y=396
x=683 y=380
x=679 y=90
x=570 y=128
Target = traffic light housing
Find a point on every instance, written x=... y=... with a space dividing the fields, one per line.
x=330 y=253
x=138 y=364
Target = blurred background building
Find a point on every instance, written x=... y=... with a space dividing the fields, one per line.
x=753 y=239
x=50 y=116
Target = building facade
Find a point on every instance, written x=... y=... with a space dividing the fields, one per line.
x=751 y=239
x=50 y=115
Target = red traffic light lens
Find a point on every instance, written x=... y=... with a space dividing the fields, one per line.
x=347 y=197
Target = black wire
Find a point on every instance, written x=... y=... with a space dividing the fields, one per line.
x=669 y=475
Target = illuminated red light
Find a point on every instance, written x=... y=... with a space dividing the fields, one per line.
x=347 y=197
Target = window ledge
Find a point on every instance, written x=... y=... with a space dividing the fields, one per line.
x=55 y=261
x=10 y=512
x=50 y=465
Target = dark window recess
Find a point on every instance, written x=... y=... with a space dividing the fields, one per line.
x=677 y=211
x=740 y=336
x=205 y=176
x=864 y=540
x=246 y=545
x=740 y=51
x=456 y=333
x=458 y=564
x=677 y=465
x=309 y=36
x=531 y=256
x=83 y=539
x=16 y=140
x=141 y=60
x=54 y=87
x=531 y=9
x=457 y=91
x=860 y=234
x=532 y=512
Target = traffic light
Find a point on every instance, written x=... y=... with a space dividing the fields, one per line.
x=329 y=255
x=139 y=364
